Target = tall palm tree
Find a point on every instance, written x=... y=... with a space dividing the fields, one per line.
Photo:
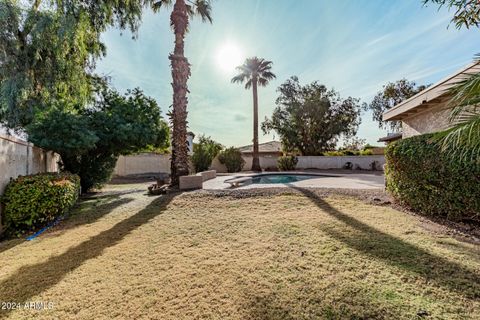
x=183 y=10
x=253 y=72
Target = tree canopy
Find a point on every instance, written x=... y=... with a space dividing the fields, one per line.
x=392 y=94
x=310 y=119
x=48 y=51
x=91 y=140
x=204 y=151
x=467 y=12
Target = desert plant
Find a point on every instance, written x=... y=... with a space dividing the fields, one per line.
x=232 y=159
x=204 y=152
x=33 y=201
x=287 y=163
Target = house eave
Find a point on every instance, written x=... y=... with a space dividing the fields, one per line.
x=433 y=95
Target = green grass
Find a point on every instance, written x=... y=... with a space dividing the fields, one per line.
x=299 y=255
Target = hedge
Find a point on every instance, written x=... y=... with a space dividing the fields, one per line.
x=33 y=201
x=287 y=163
x=429 y=181
x=232 y=159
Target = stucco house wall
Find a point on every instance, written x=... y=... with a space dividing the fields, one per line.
x=430 y=120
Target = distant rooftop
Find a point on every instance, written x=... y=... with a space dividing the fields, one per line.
x=391 y=137
x=267 y=147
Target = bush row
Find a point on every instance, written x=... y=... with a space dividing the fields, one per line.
x=429 y=181
x=367 y=152
x=33 y=201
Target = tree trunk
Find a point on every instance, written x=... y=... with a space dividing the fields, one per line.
x=255 y=160
x=180 y=75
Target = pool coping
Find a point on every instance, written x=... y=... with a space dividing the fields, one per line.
x=286 y=173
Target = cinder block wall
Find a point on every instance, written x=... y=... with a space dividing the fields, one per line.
x=142 y=163
x=159 y=163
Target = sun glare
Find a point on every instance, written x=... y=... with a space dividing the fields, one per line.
x=229 y=56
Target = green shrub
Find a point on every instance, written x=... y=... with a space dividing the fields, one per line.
x=204 y=152
x=33 y=201
x=366 y=152
x=350 y=153
x=232 y=159
x=368 y=147
x=333 y=153
x=424 y=178
x=342 y=153
x=287 y=163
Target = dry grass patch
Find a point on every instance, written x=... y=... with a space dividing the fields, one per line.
x=296 y=255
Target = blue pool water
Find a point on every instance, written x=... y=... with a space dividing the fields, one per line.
x=281 y=178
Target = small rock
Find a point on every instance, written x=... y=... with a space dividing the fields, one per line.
x=422 y=313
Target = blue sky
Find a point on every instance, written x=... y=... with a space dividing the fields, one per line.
x=354 y=46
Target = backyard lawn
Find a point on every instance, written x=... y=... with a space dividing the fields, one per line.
x=291 y=254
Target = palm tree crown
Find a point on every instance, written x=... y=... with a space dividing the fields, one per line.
x=254 y=72
x=202 y=8
x=254 y=68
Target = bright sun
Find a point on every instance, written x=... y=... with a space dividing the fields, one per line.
x=229 y=56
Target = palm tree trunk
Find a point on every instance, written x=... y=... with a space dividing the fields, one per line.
x=180 y=75
x=255 y=160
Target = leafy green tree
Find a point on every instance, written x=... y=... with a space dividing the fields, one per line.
x=392 y=94
x=354 y=143
x=255 y=71
x=204 y=151
x=467 y=12
x=180 y=20
x=310 y=119
x=48 y=51
x=90 y=141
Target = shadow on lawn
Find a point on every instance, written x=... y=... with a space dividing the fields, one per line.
x=32 y=280
x=394 y=251
x=87 y=210
x=270 y=306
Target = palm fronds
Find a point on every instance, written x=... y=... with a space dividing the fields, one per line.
x=257 y=68
x=462 y=139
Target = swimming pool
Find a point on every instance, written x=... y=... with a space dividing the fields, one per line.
x=281 y=178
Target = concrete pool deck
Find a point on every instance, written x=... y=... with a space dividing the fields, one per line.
x=331 y=179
